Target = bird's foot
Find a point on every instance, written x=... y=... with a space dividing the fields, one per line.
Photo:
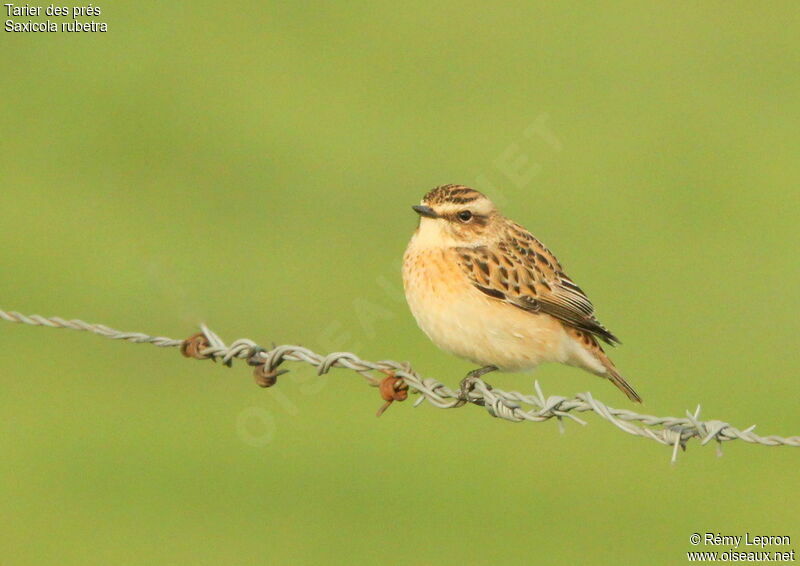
x=470 y=381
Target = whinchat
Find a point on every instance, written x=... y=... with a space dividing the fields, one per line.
x=483 y=288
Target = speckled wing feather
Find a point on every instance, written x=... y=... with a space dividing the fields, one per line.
x=524 y=273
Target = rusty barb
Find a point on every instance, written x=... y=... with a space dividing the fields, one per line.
x=400 y=380
x=392 y=388
x=265 y=376
x=195 y=346
x=207 y=346
x=199 y=346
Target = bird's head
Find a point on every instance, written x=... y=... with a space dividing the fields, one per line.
x=454 y=215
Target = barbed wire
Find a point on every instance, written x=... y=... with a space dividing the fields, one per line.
x=400 y=379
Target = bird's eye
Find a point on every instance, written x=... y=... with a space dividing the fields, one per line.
x=465 y=216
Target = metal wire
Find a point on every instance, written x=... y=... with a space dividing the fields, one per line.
x=509 y=405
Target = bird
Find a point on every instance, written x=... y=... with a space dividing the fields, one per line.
x=483 y=288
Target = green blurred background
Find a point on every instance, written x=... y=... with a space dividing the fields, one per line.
x=251 y=165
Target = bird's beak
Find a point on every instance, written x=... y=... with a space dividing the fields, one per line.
x=425 y=211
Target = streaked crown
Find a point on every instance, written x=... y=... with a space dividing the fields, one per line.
x=455 y=215
x=452 y=194
x=448 y=200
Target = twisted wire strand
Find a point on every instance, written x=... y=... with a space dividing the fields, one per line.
x=508 y=405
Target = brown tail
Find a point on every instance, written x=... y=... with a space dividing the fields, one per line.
x=590 y=343
x=613 y=375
